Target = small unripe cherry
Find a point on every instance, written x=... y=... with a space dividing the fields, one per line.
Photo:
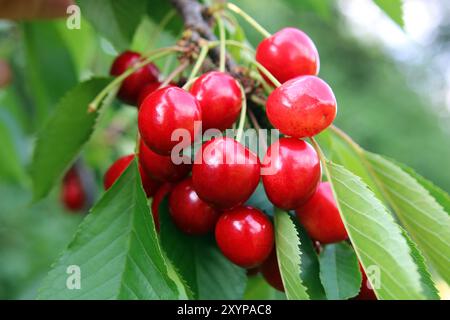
x=159 y=196
x=190 y=213
x=245 y=236
x=133 y=84
x=295 y=172
x=225 y=173
x=118 y=167
x=302 y=107
x=220 y=98
x=366 y=292
x=287 y=54
x=160 y=167
x=73 y=195
x=320 y=216
x=271 y=271
x=164 y=111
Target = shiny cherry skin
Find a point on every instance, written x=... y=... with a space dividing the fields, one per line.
x=302 y=107
x=146 y=90
x=164 y=111
x=320 y=216
x=159 y=196
x=160 y=167
x=225 y=173
x=73 y=195
x=287 y=54
x=117 y=168
x=366 y=292
x=220 y=98
x=245 y=236
x=294 y=172
x=191 y=214
x=271 y=271
x=133 y=84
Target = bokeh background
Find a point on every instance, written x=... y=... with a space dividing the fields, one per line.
x=392 y=86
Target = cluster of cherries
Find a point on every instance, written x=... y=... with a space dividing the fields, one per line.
x=225 y=173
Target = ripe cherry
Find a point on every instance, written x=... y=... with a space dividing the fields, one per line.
x=302 y=107
x=225 y=173
x=191 y=214
x=271 y=271
x=294 y=172
x=118 y=167
x=73 y=195
x=366 y=292
x=220 y=98
x=287 y=54
x=159 y=167
x=164 y=111
x=159 y=196
x=132 y=85
x=320 y=216
x=146 y=90
x=245 y=236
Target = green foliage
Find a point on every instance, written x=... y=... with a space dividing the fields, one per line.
x=116 y=249
x=116 y=20
x=289 y=256
x=62 y=137
x=208 y=274
x=376 y=237
x=393 y=8
x=339 y=271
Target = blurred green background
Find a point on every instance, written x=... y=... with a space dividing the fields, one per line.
x=392 y=86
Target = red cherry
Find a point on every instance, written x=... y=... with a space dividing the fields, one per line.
x=159 y=167
x=287 y=54
x=271 y=271
x=220 y=98
x=225 y=173
x=245 y=236
x=366 y=292
x=302 y=107
x=294 y=172
x=164 y=111
x=320 y=216
x=162 y=192
x=133 y=84
x=191 y=214
x=118 y=167
x=72 y=193
x=146 y=90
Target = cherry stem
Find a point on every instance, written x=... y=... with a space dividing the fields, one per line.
x=240 y=129
x=201 y=58
x=266 y=73
x=221 y=26
x=249 y=19
x=113 y=85
x=181 y=67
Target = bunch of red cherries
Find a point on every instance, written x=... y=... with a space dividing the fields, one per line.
x=213 y=197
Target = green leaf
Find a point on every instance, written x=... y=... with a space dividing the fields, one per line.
x=259 y=200
x=64 y=134
x=289 y=256
x=427 y=283
x=339 y=271
x=310 y=269
x=49 y=66
x=375 y=236
x=117 y=20
x=258 y=289
x=393 y=8
x=320 y=7
x=116 y=249
x=208 y=274
x=158 y=10
x=423 y=218
x=442 y=197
